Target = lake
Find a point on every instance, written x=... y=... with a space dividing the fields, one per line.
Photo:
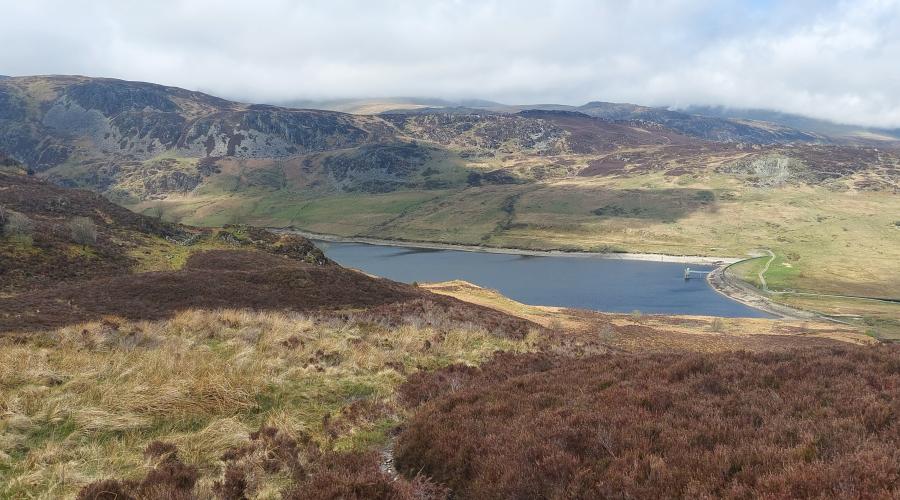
x=570 y=281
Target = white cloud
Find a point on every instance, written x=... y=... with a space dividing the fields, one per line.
x=835 y=60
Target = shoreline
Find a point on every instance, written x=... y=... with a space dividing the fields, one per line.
x=748 y=295
x=717 y=279
x=649 y=257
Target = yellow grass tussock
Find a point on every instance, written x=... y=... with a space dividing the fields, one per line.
x=82 y=402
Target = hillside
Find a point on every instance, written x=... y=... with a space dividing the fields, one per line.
x=695 y=123
x=801 y=425
x=709 y=122
x=138 y=140
x=149 y=359
x=140 y=268
x=600 y=177
x=825 y=128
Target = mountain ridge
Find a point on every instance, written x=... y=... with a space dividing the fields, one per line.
x=814 y=128
x=797 y=121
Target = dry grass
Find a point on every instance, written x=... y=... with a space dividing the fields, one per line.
x=81 y=403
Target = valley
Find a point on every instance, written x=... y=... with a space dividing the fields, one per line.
x=450 y=250
x=599 y=178
x=829 y=240
x=144 y=358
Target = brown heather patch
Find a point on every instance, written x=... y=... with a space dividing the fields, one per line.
x=124 y=242
x=51 y=257
x=808 y=423
x=171 y=479
x=271 y=456
x=246 y=279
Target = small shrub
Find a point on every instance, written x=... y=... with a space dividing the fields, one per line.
x=717 y=325
x=706 y=197
x=607 y=333
x=161 y=450
x=171 y=479
x=15 y=224
x=107 y=489
x=157 y=212
x=83 y=231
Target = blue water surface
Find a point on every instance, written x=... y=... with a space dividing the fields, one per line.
x=569 y=281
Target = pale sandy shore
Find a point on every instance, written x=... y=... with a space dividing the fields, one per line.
x=653 y=257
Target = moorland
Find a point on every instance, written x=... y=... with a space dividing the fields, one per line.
x=599 y=177
x=155 y=342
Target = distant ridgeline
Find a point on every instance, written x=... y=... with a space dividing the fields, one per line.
x=135 y=141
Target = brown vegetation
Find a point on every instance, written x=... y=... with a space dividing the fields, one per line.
x=810 y=423
x=55 y=220
x=240 y=279
x=47 y=257
x=311 y=474
x=83 y=230
x=44 y=200
x=434 y=311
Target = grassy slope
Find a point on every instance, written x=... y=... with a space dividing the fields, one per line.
x=826 y=240
x=833 y=241
x=82 y=402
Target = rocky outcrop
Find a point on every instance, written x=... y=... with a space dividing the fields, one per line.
x=376 y=168
x=697 y=126
x=127 y=121
x=483 y=131
x=287 y=244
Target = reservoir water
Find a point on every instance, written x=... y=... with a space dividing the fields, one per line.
x=570 y=281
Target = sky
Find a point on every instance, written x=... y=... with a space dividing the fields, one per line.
x=837 y=60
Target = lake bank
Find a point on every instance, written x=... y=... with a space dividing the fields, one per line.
x=651 y=257
x=745 y=293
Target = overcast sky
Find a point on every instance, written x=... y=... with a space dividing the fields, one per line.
x=829 y=59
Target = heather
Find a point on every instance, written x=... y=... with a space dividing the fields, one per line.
x=297 y=464
x=803 y=423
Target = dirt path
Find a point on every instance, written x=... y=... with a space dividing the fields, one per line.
x=762 y=273
x=747 y=294
x=387 y=459
x=765 y=287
